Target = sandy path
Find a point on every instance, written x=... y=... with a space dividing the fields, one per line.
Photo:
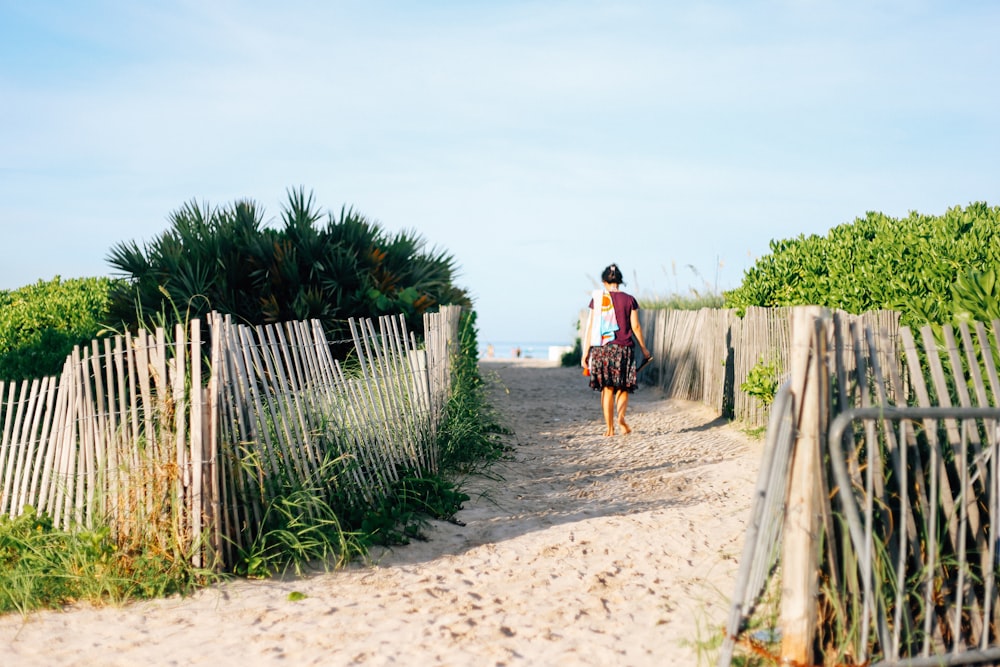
x=588 y=551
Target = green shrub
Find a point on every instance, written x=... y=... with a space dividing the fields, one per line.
x=762 y=381
x=40 y=324
x=912 y=265
x=403 y=512
x=975 y=295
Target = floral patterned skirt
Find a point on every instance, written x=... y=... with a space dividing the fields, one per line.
x=612 y=366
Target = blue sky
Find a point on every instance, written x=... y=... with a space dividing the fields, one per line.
x=536 y=141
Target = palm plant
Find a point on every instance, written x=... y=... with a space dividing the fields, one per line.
x=200 y=264
x=225 y=259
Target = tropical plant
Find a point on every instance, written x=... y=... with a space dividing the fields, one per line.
x=41 y=323
x=225 y=259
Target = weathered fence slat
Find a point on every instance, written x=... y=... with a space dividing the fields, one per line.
x=7 y=445
x=112 y=443
x=49 y=483
x=274 y=393
x=302 y=412
x=195 y=470
x=357 y=432
x=134 y=431
x=918 y=485
x=87 y=493
x=241 y=506
x=178 y=375
x=33 y=447
x=967 y=510
x=798 y=600
x=374 y=403
x=20 y=455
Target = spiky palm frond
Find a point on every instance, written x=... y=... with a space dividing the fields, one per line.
x=225 y=259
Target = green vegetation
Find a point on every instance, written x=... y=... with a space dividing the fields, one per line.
x=330 y=267
x=225 y=259
x=316 y=265
x=41 y=323
x=471 y=435
x=762 y=381
x=324 y=521
x=929 y=268
x=44 y=567
x=402 y=514
x=694 y=300
x=574 y=356
x=301 y=525
x=304 y=526
x=935 y=270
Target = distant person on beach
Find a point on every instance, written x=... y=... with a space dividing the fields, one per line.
x=608 y=353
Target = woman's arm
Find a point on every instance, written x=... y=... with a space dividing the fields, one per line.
x=637 y=332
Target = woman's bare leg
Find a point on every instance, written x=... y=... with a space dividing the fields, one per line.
x=608 y=408
x=621 y=398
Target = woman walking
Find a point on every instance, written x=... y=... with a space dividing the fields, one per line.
x=612 y=330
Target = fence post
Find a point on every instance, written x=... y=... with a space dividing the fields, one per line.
x=801 y=527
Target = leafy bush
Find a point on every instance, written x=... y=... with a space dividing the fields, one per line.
x=40 y=324
x=915 y=265
x=762 y=381
x=975 y=295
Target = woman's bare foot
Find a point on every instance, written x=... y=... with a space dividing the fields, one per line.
x=625 y=427
x=610 y=432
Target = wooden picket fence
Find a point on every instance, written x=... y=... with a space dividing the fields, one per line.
x=706 y=355
x=174 y=437
x=874 y=518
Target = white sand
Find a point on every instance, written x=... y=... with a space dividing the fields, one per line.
x=585 y=550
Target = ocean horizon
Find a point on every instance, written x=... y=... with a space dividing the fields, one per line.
x=509 y=349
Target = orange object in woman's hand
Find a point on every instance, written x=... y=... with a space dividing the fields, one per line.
x=586 y=371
